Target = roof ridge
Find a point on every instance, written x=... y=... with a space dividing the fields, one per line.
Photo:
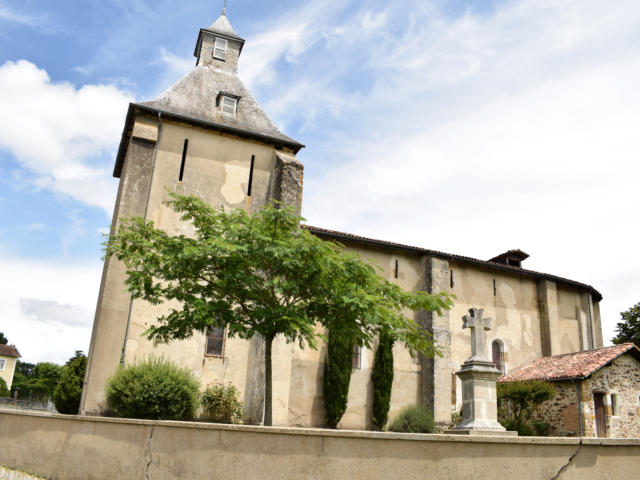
x=497 y=266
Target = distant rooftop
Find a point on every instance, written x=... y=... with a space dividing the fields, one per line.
x=571 y=366
x=9 y=351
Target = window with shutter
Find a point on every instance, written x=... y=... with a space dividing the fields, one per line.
x=220 y=49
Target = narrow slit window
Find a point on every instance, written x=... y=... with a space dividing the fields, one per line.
x=614 y=404
x=451 y=278
x=395 y=271
x=495 y=290
x=215 y=341
x=184 y=159
x=220 y=48
x=229 y=105
x=497 y=351
x=357 y=357
x=253 y=159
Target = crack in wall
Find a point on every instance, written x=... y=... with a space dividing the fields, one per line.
x=146 y=470
x=566 y=465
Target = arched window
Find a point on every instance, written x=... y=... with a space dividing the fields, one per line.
x=497 y=351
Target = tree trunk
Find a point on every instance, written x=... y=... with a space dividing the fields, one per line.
x=268 y=341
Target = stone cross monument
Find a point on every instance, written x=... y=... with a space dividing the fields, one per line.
x=478 y=375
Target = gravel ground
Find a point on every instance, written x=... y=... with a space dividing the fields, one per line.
x=6 y=474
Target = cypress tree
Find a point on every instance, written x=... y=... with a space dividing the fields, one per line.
x=337 y=375
x=382 y=377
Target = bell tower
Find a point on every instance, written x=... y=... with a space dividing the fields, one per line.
x=206 y=135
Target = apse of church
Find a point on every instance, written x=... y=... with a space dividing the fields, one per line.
x=207 y=135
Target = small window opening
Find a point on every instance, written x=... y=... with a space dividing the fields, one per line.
x=395 y=271
x=2 y=363
x=451 y=282
x=229 y=105
x=357 y=357
x=614 y=404
x=497 y=351
x=220 y=48
x=215 y=341
x=495 y=291
x=454 y=389
x=253 y=159
x=184 y=158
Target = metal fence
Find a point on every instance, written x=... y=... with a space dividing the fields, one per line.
x=22 y=404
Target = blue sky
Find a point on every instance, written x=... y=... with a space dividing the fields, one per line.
x=470 y=127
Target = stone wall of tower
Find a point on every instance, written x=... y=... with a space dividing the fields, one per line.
x=112 y=311
x=206 y=58
x=217 y=169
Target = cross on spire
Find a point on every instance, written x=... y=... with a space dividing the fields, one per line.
x=224 y=8
x=479 y=326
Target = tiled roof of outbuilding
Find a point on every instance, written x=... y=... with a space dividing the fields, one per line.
x=571 y=366
x=350 y=237
x=9 y=351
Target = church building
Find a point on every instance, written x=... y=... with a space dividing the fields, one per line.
x=207 y=136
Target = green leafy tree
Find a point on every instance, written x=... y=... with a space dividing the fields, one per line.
x=518 y=400
x=4 y=391
x=337 y=376
x=36 y=381
x=66 y=395
x=262 y=274
x=3 y=339
x=382 y=377
x=628 y=330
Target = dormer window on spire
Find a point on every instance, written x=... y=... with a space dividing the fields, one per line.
x=227 y=103
x=220 y=48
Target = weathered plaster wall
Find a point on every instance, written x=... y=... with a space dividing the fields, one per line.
x=9 y=369
x=306 y=407
x=621 y=378
x=79 y=448
x=217 y=170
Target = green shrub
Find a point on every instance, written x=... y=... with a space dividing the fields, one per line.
x=4 y=391
x=382 y=377
x=413 y=419
x=154 y=389
x=66 y=396
x=516 y=403
x=220 y=404
x=337 y=376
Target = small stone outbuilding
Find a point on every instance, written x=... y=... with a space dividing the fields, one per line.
x=598 y=391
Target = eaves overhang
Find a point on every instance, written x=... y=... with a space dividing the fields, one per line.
x=136 y=108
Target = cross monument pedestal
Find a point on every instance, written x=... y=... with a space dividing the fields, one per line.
x=478 y=375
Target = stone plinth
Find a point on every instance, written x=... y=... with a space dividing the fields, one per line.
x=479 y=400
x=478 y=376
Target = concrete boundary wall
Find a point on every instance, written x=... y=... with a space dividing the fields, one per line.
x=73 y=447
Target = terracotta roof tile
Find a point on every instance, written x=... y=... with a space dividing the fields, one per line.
x=9 y=351
x=571 y=366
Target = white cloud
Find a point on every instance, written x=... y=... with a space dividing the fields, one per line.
x=15 y=17
x=65 y=136
x=472 y=134
x=47 y=307
x=52 y=313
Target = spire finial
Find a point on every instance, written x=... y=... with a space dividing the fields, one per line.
x=224 y=9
